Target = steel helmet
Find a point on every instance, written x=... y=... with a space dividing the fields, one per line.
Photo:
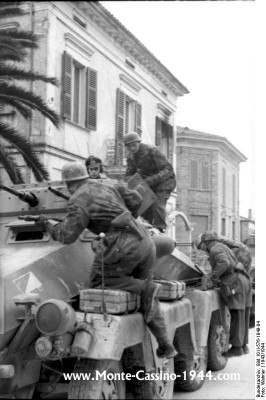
x=74 y=171
x=208 y=236
x=131 y=137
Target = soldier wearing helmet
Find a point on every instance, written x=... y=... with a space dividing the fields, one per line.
x=156 y=171
x=235 y=289
x=94 y=167
x=130 y=253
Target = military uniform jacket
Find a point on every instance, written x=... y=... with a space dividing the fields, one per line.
x=94 y=205
x=235 y=287
x=154 y=168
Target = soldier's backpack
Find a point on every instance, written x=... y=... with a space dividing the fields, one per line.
x=240 y=251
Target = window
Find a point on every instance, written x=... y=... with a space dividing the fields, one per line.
x=199 y=175
x=234 y=192
x=223 y=227
x=128 y=118
x=79 y=93
x=164 y=138
x=194 y=175
x=200 y=224
x=78 y=20
x=224 y=187
x=233 y=230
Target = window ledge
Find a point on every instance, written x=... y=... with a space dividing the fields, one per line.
x=199 y=190
x=78 y=126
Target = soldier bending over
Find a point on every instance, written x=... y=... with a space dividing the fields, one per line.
x=130 y=254
x=235 y=290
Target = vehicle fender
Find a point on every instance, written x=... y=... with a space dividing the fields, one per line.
x=204 y=303
x=119 y=332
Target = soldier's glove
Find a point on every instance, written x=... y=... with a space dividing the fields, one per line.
x=216 y=282
x=42 y=222
x=99 y=244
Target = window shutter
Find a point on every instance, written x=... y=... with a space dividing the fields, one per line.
x=234 y=192
x=205 y=176
x=91 y=115
x=158 y=133
x=120 y=122
x=138 y=115
x=224 y=187
x=194 y=174
x=171 y=144
x=67 y=79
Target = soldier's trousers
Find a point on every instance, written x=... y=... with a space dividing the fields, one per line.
x=156 y=214
x=239 y=327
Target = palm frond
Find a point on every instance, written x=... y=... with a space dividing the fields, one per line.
x=10 y=11
x=13 y=137
x=12 y=51
x=24 y=111
x=19 y=34
x=11 y=167
x=10 y=72
x=26 y=43
x=8 y=55
x=29 y=99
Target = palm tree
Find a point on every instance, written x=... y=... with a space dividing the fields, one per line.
x=13 y=50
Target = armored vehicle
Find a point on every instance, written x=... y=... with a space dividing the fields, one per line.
x=52 y=345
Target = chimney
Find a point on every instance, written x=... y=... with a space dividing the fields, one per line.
x=249 y=213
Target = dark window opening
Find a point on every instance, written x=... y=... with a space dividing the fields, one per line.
x=130 y=64
x=81 y=23
x=31 y=235
x=223 y=228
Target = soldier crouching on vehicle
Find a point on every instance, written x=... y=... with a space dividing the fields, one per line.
x=156 y=171
x=130 y=254
x=235 y=290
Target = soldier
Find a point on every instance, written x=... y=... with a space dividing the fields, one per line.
x=94 y=167
x=156 y=171
x=235 y=289
x=129 y=256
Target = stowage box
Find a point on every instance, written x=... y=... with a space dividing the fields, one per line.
x=171 y=290
x=117 y=301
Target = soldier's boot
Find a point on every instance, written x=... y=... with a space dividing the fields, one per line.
x=148 y=296
x=234 y=352
x=245 y=348
x=158 y=328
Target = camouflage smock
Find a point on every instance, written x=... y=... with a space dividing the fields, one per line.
x=154 y=168
x=94 y=205
x=223 y=263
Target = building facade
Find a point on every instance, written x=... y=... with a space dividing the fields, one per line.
x=208 y=182
x=247 y=226
x=111 y=84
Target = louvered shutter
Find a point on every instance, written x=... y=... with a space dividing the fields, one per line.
x=91 y=114
x=194 y=174
x=138 y=114
x=120 y=122
x=171 y=144
x=205 y=176
x=67 y=88
x=158 y=133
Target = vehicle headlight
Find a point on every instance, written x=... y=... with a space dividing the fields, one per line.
x=55 y=317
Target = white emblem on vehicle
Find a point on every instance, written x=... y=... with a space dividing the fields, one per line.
x=27 y=283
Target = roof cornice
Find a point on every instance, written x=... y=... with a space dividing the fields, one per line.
x=185 y=134
x=113 y=28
